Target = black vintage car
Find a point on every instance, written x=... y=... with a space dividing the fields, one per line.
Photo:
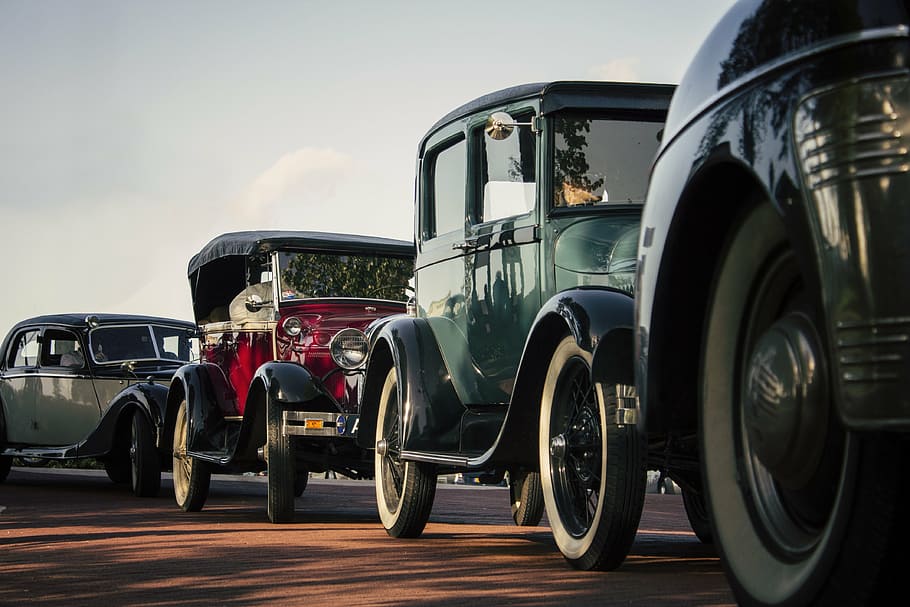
x=773 y=320
x=78 y=386
x=284 y=319
x=519 y=356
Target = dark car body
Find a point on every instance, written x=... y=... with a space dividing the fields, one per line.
x=527 y=223
x=772 y=312
x=272 y=306
x=73 y=386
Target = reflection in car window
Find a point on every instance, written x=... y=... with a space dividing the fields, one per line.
x=508 y=173
x=24 y=352
x=321 y=275
x=590 y=168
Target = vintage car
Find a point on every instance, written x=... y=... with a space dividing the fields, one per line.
x=91 y=386
x=283 y=317
x=773 y=327
x=518 y=358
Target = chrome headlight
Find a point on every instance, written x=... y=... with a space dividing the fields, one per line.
x=349 y=348
x=292 y=326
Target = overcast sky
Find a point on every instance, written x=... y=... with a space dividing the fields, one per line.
x=131 y=133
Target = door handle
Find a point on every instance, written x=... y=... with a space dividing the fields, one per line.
x=468 y=245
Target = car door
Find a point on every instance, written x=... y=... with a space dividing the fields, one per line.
x=67 y=408
x=502 y=252
x=19 y=386
x=477 y=259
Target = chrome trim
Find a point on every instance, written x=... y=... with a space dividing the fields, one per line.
x=881 y=33
x=432 y=458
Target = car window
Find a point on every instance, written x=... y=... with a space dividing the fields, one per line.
x=507 y=172
x=120 y=344
x=174 y=343
x=445 y=201
x=598 y=161
x=61 y=348
x=306 y=275
x=24 y=350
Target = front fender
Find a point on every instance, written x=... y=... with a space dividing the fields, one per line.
x=289 y=383
x=432 y=411
x=601 y=321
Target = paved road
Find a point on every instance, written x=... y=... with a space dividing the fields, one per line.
x=73 y=538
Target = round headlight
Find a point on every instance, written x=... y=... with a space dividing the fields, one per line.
x=349 y=348
x=292 y=326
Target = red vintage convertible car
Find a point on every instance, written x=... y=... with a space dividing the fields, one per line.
x=284 y=319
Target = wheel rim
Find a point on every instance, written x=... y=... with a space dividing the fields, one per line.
x=791 y=452
x=181 y=462
x=388 y=449
x=575 y=448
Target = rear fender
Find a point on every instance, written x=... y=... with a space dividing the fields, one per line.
x=600 y=320
x=209 y=399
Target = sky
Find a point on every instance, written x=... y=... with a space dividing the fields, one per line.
x=132 y=133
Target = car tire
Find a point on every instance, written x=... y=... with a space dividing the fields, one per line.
x=280 y=460
x=814 y=516
x=697 y=513
x=405 y=490
x=192 y=477
x=145 y=463
x=118 y=467
x=6 y=463
x=593 y=474
x=527 y=498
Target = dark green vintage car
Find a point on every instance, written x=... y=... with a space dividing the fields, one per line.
x=518 y=357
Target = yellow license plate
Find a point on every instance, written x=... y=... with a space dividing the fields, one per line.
x=315 y=424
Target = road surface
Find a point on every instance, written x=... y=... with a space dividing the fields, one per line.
x=73 y=538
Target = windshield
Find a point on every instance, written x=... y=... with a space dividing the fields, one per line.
x=304 y=275
x=598 y=161
x=141 y=342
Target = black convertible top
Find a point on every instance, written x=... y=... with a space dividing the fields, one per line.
x=248 y=242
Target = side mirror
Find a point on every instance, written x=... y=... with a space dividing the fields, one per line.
x=254 y=303
x=501 y=124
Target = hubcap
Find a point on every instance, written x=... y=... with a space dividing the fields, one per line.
x=382 y=448
x=785 y=402
x=558 y=447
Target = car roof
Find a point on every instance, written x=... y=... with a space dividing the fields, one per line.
x=563 y=94
x=79 y=320
x=248 y=242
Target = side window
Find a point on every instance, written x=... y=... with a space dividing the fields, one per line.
x=24 y=350
x=445 y=201
x=61 y=349
x=507 y=173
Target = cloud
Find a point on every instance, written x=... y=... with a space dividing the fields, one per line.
x=624 y=69
x=305 y=174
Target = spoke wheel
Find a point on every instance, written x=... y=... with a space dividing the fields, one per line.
x=802 y=511
x=280 y=458
x=404 y=490
x=592 y=472
x=191 y=476
x=145 y=463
